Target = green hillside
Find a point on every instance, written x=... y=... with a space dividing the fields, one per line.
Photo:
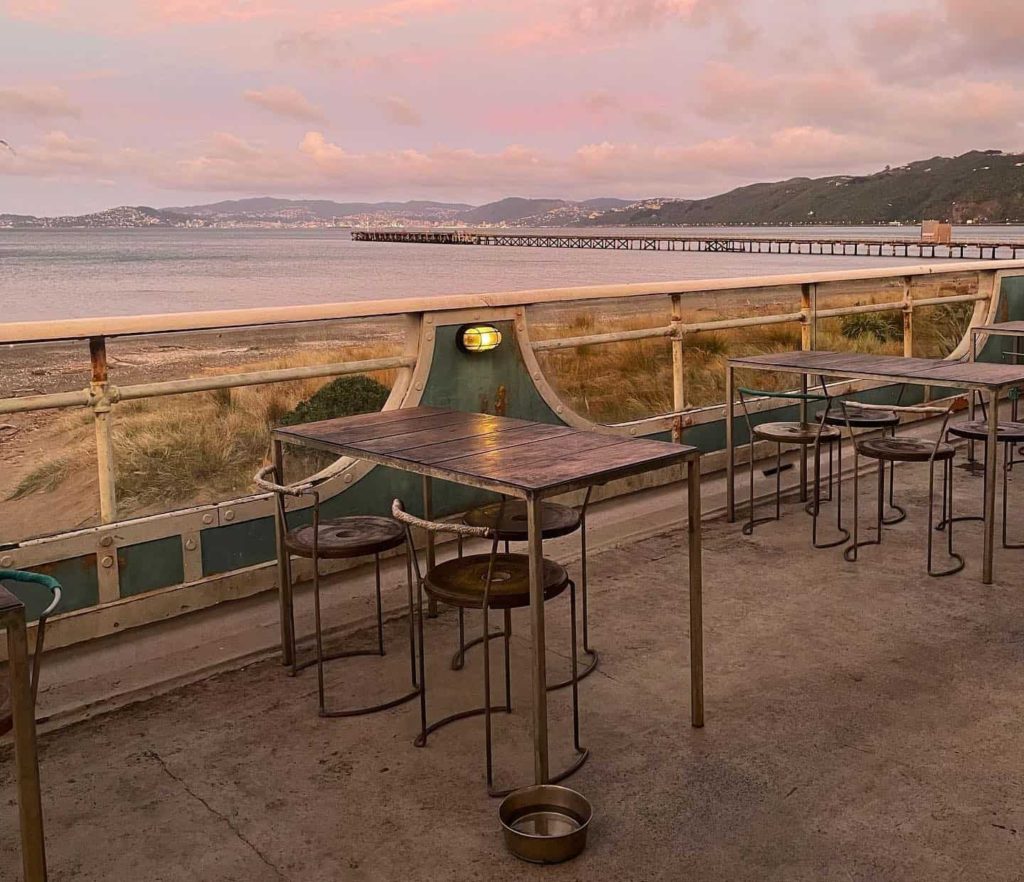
x=983 y=186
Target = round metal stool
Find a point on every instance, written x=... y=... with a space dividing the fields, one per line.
x=862 y=418
x=508 y=521
x=1009 y=434
x=488 y=582
x=804 y=435
x=893 y=449
x=340 y=539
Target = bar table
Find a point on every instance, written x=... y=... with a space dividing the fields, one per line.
x=518 y=458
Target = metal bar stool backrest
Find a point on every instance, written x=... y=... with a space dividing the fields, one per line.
x=924 y=409
x=399 y=513
x=746 y=393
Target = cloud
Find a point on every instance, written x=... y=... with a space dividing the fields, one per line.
x=392 y=14
x=127 y=15
x=960 y=114
x=285 y=101
x=227 y=163
x=36 y=102
x=654 y=120
x=401 y=112
x=596 y=24
x=601 y=101
x=936 y=40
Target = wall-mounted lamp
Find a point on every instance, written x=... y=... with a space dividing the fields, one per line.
x=478 y=338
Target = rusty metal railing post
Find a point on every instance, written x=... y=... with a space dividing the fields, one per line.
x=908 y=319
x=99 y=395
x=678 y=381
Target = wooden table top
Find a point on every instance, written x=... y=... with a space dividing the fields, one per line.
x=8 y=600
x=1000 y=328
x=511 y=456
x=860 y=366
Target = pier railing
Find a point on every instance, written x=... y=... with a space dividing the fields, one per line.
x=132 y=569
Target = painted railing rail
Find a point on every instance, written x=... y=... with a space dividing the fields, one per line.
x=192 y=532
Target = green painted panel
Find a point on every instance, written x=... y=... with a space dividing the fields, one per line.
x=234 y=546
x=481 y=381
x=148 y=566
x=78 y=581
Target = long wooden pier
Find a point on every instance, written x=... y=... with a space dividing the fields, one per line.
x=905 y=248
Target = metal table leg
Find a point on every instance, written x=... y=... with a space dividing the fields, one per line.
x=693 y=531
x=540 y=677
x=30 y=808
x=991 y=455
x=730 y=456
x=284 y=582
x=428 y=513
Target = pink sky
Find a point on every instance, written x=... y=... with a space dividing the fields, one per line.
x=171 y=102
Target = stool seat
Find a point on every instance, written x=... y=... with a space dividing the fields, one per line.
x=795 y=433
x=354 y=536
x=977 y=430
x=903 y=449
x=461 y=581
x=555 y=520
x=861 y=419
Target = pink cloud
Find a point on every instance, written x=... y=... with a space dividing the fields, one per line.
x=225 y=162
x=36 y=102
x=401 y=112
x=593 y=24
x=285 y=101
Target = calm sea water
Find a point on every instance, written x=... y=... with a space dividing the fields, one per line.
x=51 y=274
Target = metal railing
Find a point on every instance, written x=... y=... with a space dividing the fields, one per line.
x=102 y=396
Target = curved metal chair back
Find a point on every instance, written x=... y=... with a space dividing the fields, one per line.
x=463 y=531
x=747 y=392
x=55 y=591
x=933 y=410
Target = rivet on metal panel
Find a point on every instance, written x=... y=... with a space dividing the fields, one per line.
x=430 y=320
x=632 y=431
x=6 y=561
x=558 y=409
x=348 y=478
x=419 y=387
x=190 y=544
x=107 y=561
x=107 y=541
x=229 y=515
x=207 y=518
x=430 y=336
x=536 y=376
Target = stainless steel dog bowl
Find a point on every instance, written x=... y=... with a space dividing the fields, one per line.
x=545 y=824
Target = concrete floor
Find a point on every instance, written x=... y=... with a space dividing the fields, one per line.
x=863 y=722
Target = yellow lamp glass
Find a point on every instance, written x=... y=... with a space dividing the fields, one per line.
x=478 y=338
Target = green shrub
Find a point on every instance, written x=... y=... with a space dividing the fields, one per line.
x=885 y=327
x=342 y=397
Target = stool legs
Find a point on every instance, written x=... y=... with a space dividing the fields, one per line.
x=487 y=709
x=947 y=512
x=322 y=657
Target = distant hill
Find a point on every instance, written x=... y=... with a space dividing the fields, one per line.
x=323 y=209
x=983 y=186
x=980 y=186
